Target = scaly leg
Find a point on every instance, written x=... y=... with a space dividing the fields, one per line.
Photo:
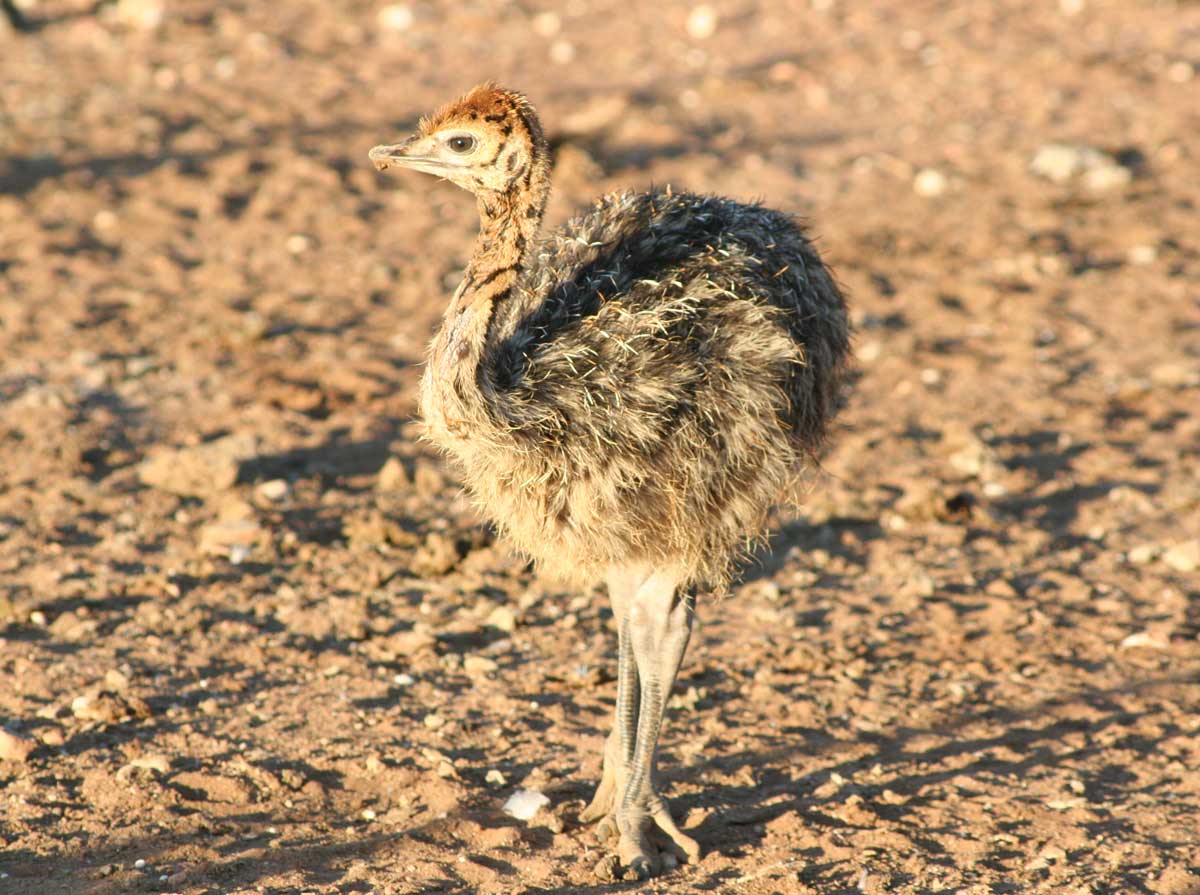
x=659 y=624
x=623 y=583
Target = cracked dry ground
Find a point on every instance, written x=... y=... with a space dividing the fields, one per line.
x=255 y=638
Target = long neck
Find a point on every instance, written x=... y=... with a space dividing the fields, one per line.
x=508 y=224
x=453 y=391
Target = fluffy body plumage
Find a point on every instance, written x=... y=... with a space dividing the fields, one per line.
x=625 y=397
x=661 y=370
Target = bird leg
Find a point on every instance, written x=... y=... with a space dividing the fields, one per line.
x=655 y=625
x=660 y=625
x=618 y=748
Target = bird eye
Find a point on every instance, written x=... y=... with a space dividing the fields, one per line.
x=461 y=144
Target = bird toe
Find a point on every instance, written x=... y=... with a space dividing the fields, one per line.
x=606 y=830
x=640 y=859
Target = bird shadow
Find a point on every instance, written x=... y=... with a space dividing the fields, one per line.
x=336 y=458
x=1029 y=742
x=737 y=814
x=801 y=536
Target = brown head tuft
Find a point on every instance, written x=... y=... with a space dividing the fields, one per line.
x=489 y=141
x=486 y=102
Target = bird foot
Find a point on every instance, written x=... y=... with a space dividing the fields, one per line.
x=646 y=839
x=604 y=802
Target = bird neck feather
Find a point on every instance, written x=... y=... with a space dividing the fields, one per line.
x=508 y=225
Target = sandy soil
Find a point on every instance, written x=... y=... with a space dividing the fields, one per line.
x=252 y=637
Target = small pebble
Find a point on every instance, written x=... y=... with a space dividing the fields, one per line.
x=562 y=52
x=495 y=777
x=428 y=478
x=1063 y=162
x=479 y=665
x=139 y=863
x=396 y=17
x=392 y=476
x=1142 y=554
x=153 y=761
x=1059 y=162
x=145 y=15
x=1181 y=72
x=503 y=618
x=1150 y=639
x=1176 y=374
x=930 y=183
x=525 y=803
x=546 y=24
x=1107 y=177
x=1142 y=255
x=1183 y=557
x=702 y=22
x=274 y=490
x=224 y=537
x=15 y=748
x=199 y=470
x=1177 y=879
x=97 y=707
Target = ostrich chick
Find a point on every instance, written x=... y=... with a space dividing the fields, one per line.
x=625 y=398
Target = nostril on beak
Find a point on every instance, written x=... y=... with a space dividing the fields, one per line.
x=387 y=155
x=381 y=156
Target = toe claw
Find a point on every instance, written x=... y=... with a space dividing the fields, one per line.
x=684 y=846
x=643 y=866
x=606 y=830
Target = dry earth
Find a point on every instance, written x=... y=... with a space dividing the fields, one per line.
x=252 y=637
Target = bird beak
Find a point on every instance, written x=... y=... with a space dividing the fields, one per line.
x=384 y=157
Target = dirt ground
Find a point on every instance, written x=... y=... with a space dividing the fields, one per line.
x=254 y=639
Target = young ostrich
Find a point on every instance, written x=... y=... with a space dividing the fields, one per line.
x=625 y=397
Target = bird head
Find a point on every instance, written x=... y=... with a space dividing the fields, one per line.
x=489 y=141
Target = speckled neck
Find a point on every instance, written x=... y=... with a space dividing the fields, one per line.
x=508 y=224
